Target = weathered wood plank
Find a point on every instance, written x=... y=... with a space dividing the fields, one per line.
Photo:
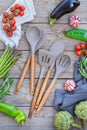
x=44 y=8
x=17 y=69
x=53 y=33
x=45 y=118
x=24 y=98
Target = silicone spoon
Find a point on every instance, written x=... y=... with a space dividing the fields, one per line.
x=57 y=48
x=25 y=69
x=62 y=63
x=33 y=35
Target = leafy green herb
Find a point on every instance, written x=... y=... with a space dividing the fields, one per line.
x=5 y=86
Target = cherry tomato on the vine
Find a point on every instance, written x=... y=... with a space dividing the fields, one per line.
x=78 y=53
x=12 y=22
x=22 y=8
x=86 y=45
x=4 y=20
x=12 y=9
x=17 y=6
x=5 y=27
x=13 y=28
x=78 y=47
x=16 y=13
x=11 y=16
x=85 y=53
x=82 y=45
x=9 y=33
x=5 y=14
x=21 y=13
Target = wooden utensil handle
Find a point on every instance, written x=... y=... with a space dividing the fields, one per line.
x=43 y=88
x=25 y=69
x=46 y=95
x=35 y=97
x=32 y=74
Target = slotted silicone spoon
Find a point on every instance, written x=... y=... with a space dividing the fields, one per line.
x=57 y=48
x=62 y=63
x=46 y=58
x=25 y=69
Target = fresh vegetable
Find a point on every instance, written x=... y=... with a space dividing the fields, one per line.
x=78 y=34
x=64 y=120
x=21 y=13
x=11 y=16
x=83 y=66
x=12 y=9
x=8 y=59
x=78 y=53
x=9 y=33
x=5 y=86
x=66 y=6
x=81 y=112
x=22 y=8
x=4 y=20
x=13 y=112
x=17 y=6
x=8 y=18
x=12 y=22
x=13 y=28
x=81 y=49
x=5 y=14
x=16 y=13
x=5 y=27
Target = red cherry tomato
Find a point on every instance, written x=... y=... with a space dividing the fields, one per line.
x=12 y=22
x=9 y=34
x=21 y=13
x=78 y=53
x=4 y=20
x=22 y=8
x=13 y=28
x=85 y=53
x=16 y=13
x=78 y=47
x=17 y=6
x=6 y=28
x=5 y=14
x=82 y=45
x=12 y=9
x=86 y=45
x=11 y=16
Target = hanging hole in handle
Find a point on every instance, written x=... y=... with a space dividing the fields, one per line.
x=36 y=114
x=16 y=92
x=36 y=106
x=32 y=92
x=30 y=115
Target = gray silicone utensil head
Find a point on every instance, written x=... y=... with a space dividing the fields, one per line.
x=33 y=35
x=42 y=39
x=57 y=47
x=46 y=58
x=62 y=63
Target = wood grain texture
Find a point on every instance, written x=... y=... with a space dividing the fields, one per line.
x=53 y=33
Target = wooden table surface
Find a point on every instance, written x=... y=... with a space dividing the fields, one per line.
x=43 y=8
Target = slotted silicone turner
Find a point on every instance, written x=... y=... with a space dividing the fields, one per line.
x=62 y=63
x=46 y=58
x=57 y=48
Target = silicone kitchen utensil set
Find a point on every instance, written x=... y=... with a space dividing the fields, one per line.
x=47 y=61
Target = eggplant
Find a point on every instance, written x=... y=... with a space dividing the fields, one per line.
x=66 y=6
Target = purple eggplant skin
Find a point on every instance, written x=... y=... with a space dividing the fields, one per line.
x=66 y=6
